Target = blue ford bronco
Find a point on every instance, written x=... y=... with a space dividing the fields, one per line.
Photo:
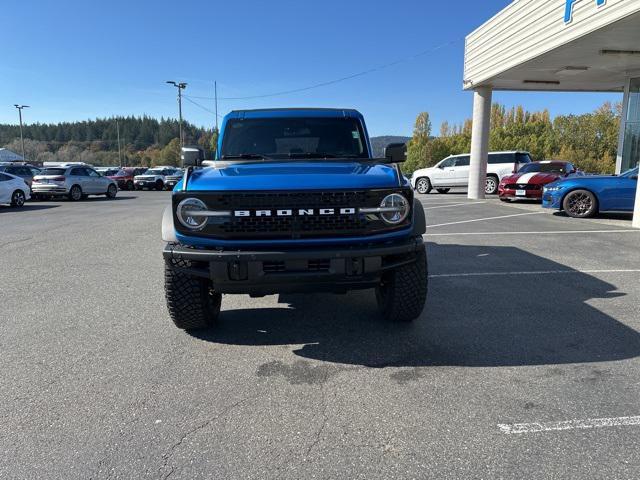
x=293 y=202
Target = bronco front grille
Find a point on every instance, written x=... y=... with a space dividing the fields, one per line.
x=295 y=226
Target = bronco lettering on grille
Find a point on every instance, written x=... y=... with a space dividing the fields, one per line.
x=302 y=212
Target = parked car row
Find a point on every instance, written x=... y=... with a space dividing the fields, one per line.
x=557 y=184
x=158 y=178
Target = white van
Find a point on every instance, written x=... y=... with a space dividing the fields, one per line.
x=453 y=172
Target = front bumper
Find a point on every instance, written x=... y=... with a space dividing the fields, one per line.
x=145 y=183
x=552 y=199
x=257 y=273
x=513 y=194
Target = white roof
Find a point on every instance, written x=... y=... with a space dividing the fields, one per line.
x=530 y=46
x=9 y=156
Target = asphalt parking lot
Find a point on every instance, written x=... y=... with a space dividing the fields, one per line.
x=525 y=363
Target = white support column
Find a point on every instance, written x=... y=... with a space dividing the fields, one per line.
x=480 y=141
x=623 y=125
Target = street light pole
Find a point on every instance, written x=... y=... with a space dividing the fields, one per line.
x=180 y=86
x=20 y=107
x=119 y=154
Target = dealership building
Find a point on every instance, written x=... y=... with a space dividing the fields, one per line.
x=556 y=45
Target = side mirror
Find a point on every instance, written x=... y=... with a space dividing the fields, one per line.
x=191 y=156
x=635 y=177
x=396 y=152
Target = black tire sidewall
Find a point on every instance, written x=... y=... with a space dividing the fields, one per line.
x=429 y=186
x=18 y=198
x=403 y=294
x=75 y=188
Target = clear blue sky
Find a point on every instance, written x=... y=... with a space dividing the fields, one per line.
x=73 y=60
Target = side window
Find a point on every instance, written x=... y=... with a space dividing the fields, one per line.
x=463 y=161
x=523 y=158
x=76 y=172
x=91 y=173
x=25 y=172
x=498 y=158
x=449 y=162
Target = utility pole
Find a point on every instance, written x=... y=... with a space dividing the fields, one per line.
x=180 y=86
x=215 y=94
x=20 y=107
x=119 y=153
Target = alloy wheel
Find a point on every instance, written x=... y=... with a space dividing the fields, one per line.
x=18 y=199
x=422 y=186
x=490 y=186
x=579 y=204
x=76 y=193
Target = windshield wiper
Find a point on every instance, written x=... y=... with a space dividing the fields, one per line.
x=246 y=156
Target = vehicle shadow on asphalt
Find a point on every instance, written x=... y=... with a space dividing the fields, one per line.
x=472 y=321
x=27 y=207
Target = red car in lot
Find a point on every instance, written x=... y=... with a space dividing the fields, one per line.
x=124 y=177
x=528 y=182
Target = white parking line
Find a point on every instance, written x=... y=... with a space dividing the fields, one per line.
x=453 y=205
x=485 y=219
x=520 y=428
x=539 y=272
x=552 y=232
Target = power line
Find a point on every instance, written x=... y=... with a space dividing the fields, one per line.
x=338 y=80
x=188 y=98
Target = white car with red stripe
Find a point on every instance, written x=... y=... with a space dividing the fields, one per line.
x=530 y=180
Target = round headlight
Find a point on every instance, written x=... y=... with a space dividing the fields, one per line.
x=394 y=209
x=187 y=213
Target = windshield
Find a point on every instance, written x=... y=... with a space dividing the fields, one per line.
x=53 y=171
x=630 y=173
x=294 y=138
x=544 y=168
x=154 y=171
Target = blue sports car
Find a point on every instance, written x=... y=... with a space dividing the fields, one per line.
x=583 y=197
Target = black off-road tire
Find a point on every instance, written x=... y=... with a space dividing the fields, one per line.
x=403 y=292
x=191 y=301
x=159 y=185
x=130 y=186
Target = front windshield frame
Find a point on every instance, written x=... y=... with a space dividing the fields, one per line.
x=297 y=131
